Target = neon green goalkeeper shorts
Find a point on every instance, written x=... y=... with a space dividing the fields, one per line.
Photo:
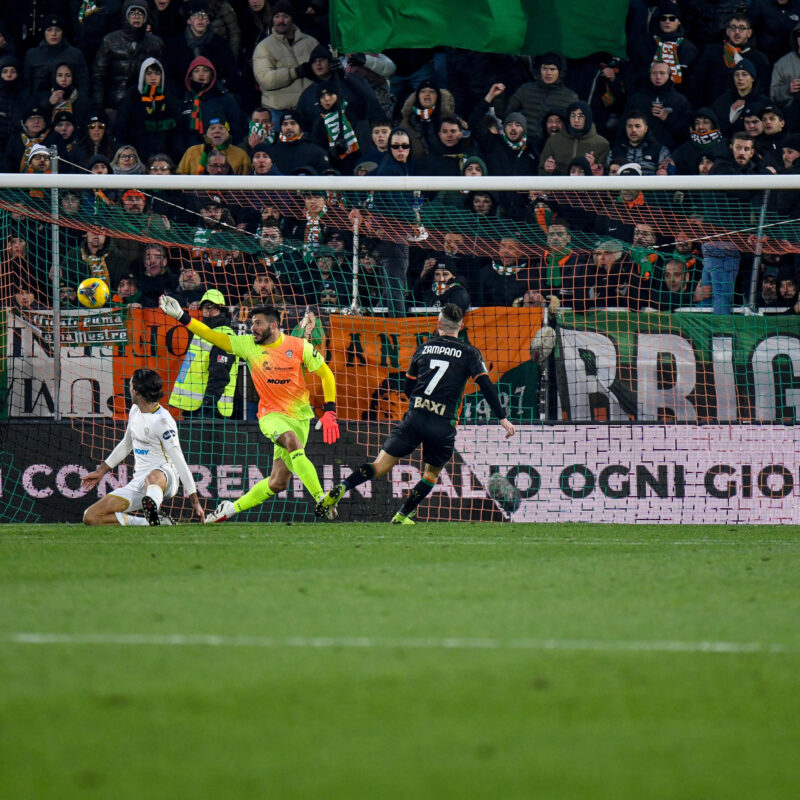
x=274 y=425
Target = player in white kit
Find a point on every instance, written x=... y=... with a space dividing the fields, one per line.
x=158 y=462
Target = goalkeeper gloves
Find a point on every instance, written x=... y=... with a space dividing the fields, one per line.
x=172 y=308
x=330 y=427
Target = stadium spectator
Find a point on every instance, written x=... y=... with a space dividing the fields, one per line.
x=787 y=287
x=474 y=166
x=38 y=162
x=255 y=23
x=673 y=287
x=71 y=150
x=157 y=278
x=421 y=114
x=265 y=291
x=507 y=152
x=785 y=83
x=310 y=328
x=636 y=146
x=711 y=77
x=555 y=272
x=121 y=53
x=97 y=138
x=666 y=43
x=96 y=257
x=218 y=138
x=667 y=111
x=375 y=69
x=705 y=139
x=90 y=28
x=148 y=115
x=14 y=99
x=768 y=290
x=337 y=129
x=612 y=280
x=206 y=99
x=225 y=24
x=292 y=151
x=64 y=95
x=262 y=161
x=311 y=228
x=501 y=280
x=579 y=138
x=127 y=291
x=438 y=285
x=191 y=287
x=281 y=62
x=260 y=130
x=355 y=92
x=742 y=92
x=379 y=131
x=449 y=152
x=27 y=298
x=536 y=99
x=774 y=23
x=34 y=131
x=41 y=62
x=373 y=281
x=166 y=19
x=126 y=161
x=200 y=40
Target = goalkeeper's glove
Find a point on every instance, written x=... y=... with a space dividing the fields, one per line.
x=330 y=427
x=172 y=308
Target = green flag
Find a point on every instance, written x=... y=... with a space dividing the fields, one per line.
x=575 y=28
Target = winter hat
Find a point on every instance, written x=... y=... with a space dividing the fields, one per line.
x=53 y=21
x=610 y=246
x=196 y=7
x=136 y=6
x=219 y=120
x=367 y=167
x=63 y=116
x=515 y=116
x=631 y=168
x=98 y=158
x=581 y=162
x=133 y=193
x=748 y=66
x=321 y=51
x=291 y=117
x=38 y=150
x=554 y=59
x=262 y=147
x=283 y=7
x=479 y=161
x=792 y=141
x=33 y=111
x=580 y=105
x=668 y=7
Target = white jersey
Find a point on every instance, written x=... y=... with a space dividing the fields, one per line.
x=153 y=437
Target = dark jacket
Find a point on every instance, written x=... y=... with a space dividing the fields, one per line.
x=14 y=100
x=671 y=131
x=116 y=65
x=41 y=61
x=501 y=159
x=500 y=290
x=713 y=145
x=712 y=77
x=772 y=25
x=183 y=49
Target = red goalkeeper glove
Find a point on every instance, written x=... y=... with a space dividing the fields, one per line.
x=330 y=427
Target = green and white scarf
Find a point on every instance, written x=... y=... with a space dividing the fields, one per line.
x=336 y=125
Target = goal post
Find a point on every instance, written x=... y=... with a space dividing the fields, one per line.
x=643 y=334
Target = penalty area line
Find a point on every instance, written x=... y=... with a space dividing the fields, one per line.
x=373 y=643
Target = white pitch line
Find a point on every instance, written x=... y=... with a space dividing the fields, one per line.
x=371 y=643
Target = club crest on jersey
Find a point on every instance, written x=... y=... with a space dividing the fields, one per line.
x=288 y=354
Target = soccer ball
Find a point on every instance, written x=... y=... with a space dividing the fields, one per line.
x=93 y=293
x=503 y=492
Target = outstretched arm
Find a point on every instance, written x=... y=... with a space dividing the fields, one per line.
x=172 y=308
x=489 y=391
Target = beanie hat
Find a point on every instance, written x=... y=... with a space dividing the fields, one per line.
x=772 y=110
x=136 y=6
x=219 y=120
x=479 y=161
x=63 y=116
x=53 y=21
x=668 y=7
x=792 y=141
x=283 y=7
x=196 y=7
x=38 y=150
x=33 y=111
x=515 y=116
x=321 y=51
x=748 y=66
x=554 y=59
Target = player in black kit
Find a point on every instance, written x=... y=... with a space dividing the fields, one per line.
x=435 y=383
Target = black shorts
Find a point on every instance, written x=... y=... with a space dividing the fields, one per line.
x=437 y=436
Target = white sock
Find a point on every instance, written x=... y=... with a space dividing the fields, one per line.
x=155 y=492
x=124 y=518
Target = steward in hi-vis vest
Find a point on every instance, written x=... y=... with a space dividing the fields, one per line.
x=207 y=379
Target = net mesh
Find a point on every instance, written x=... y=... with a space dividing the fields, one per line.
x=644 y=343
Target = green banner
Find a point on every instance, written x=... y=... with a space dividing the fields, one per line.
x=575 y=29
x=680 y=368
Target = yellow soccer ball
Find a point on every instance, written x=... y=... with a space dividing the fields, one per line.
x=93 y=293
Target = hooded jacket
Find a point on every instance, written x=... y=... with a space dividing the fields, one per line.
x=14 y=99
x=567 y=143
x=40 y=62
x=785 y=71
x=712 y=144
x=501 y=157
x=535 y=98
x=116 y=65
x=672 y=130
x=424 y=133
x=731 y=119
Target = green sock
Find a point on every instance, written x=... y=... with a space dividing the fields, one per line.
x=258 y=494
x=304 y=470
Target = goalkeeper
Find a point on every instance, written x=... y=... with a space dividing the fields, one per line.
x=276 y=363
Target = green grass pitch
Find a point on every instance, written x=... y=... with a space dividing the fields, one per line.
x=377 y=661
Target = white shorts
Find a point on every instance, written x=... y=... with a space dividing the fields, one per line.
x=134 y=491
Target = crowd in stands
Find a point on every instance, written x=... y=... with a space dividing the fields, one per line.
x=248 y=87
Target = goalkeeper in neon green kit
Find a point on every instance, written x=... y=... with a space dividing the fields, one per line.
x=277 y=363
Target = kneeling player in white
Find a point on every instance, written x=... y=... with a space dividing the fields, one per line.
x=158 y=462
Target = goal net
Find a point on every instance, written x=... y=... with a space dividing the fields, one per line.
x=643 y=335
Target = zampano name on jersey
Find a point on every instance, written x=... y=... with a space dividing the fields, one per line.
x=441 y=350
x=429 y=405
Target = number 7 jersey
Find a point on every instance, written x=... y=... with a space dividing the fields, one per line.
x=440 y=369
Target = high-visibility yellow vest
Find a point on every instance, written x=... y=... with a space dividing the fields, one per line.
x=190 y=385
